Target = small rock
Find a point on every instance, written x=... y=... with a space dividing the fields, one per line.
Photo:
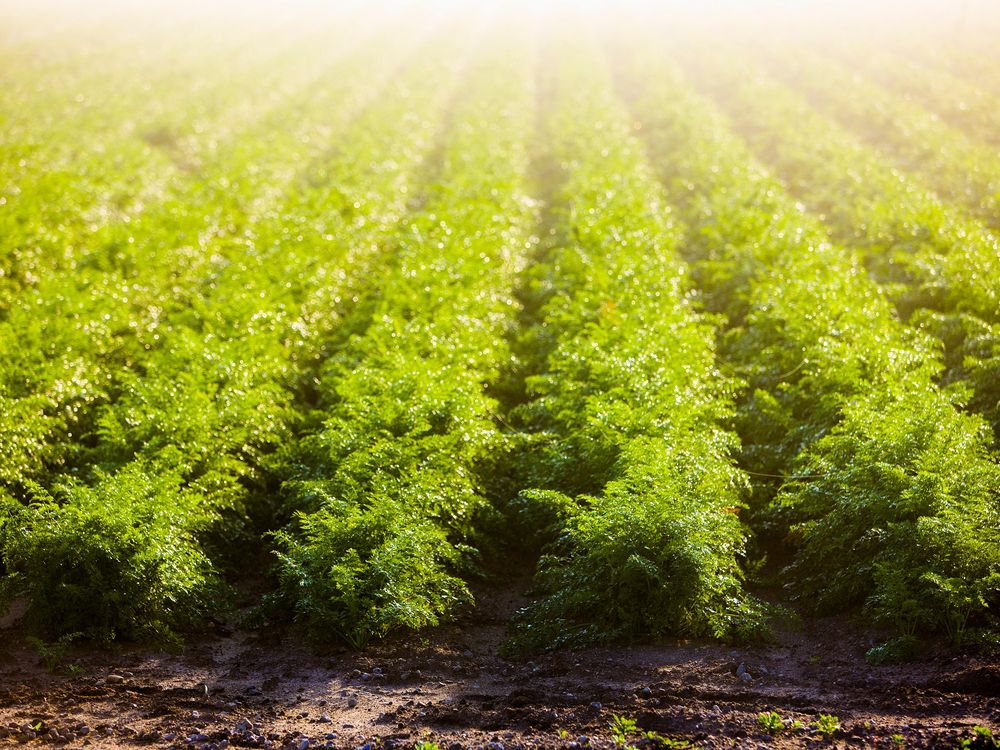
x=596 y=705
x=746 y=677
x=170 y=736
x=352 y=702
x=325 y=719
x=468 y=654
x=741 y=670
x=583 y=740
x=83 y=730
x=378 y=672
x=244 y=725
x=303 y=744
x=646 y=692
x=114 y=679
x=495 y=746
x=763 y=669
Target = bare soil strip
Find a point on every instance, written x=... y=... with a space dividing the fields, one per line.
x=270 y=689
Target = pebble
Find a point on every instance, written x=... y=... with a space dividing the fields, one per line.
x=303 y=744
x=244 y=725
x=746 y=677
x=495 y=746
x=114 y=679
x=646 y=692
x=352 y=702
x=583 y=739
x=378 y=672
x=325 y=719
x=596 y=705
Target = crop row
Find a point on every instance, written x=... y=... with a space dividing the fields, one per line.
x=387 y=482
x=635 y=493
x=960 y=102
x=71 y=177
x=120 y=484
x=932 y=258
x=955 y=167
x=65 y=337
x=325 y=333
x=883 y=491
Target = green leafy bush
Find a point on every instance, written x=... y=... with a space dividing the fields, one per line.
x=118 y=559
x=361 y=572
x=387 y=483
x=627 y=408
x=868 y=473
x=930 y=257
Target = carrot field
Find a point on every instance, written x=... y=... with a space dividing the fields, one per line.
x=322 y=324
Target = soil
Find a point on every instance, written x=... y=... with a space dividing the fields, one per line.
x=269 y=688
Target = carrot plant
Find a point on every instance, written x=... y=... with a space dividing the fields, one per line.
x=210 y=394
x=627 y=406
x=881 y=488
x=386 y=485
x=937 y=264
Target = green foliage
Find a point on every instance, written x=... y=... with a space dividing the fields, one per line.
x=622 y=728
x=982 y=739
x=359 y=573
x=388 y=488
x=630 y=431
x=53 y=655
x=280 y=304
x=930 y=257
x=118 y=559
x=884 y=489
x=771 y=722
x=162 y=358
x=908 y=504
x=827 y=725
x=898 y=650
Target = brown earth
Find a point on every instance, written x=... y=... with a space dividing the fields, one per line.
x=269 y=689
